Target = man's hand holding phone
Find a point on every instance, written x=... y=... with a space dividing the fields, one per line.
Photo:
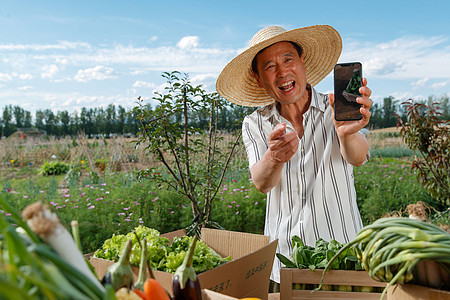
x=353 y=126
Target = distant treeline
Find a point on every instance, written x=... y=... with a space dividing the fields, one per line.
x=118 y=120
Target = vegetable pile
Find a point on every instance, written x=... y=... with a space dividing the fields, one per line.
x=391 y=249
x=40 y=260
x=317 y=257
x=161 y=255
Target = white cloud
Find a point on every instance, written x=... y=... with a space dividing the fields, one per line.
x=95 y=73
x=420 y=83
x=25 y=88
x=25 y=76
x=5 y=77
x=62 y=45
x=403 y=58
x=188 y=42
x=144 y=84
x=439 y=85
x=49 y=71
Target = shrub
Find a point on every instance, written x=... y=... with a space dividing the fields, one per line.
x=425 y=132
x=54 y=168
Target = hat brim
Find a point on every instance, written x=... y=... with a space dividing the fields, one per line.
x=321 y=45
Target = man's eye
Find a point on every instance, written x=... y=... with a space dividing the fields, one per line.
x=269 y=67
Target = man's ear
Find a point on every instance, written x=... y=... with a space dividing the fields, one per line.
x=256 y=76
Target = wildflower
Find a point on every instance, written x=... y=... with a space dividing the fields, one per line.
x=172 y=212
x=25 y=196
x=256 y=203
x=91 y=207
x=75 y=206
x=103 y=184
x=82 y=162
x=237 y=213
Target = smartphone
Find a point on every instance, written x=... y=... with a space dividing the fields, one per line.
x=347 y=81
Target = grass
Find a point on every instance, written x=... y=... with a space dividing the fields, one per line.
x=387 y=184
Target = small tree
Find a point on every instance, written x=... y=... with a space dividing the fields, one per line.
x=195 y=162
x=425 y=132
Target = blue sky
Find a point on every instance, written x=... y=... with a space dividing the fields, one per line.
x=65 y=55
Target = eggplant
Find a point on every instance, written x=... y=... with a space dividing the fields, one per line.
x=142 y=277
x=185 y=285
x=120 y=274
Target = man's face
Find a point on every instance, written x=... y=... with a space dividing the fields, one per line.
x=282 y=73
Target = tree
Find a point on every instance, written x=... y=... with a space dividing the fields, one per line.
x=27 y=120
x=50 y=121
x=192 y=157
x=111 y=119
x=389 y=110
x=19 y=116
x=40 y=119
x=7 y=119
x=64 y=118
x=426 y=132
x=121 y=116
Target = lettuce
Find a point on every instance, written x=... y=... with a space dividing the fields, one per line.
x=161 y=255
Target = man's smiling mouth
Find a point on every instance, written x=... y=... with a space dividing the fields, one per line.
x=287 y=86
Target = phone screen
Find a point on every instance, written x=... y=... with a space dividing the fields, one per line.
x=347 y=81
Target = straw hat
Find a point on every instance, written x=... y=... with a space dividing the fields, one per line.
x=321 y=46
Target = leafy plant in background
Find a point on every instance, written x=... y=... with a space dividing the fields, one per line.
x=193 y=156
x=426 y=132
x=54 y=168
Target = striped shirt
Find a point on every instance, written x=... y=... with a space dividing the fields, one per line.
x=315 y=197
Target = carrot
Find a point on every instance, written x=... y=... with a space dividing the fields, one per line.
x=139 y=293
x=153 y=290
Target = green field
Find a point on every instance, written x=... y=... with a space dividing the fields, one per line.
x=102 y=191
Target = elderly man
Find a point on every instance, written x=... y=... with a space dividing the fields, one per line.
x=298 y=153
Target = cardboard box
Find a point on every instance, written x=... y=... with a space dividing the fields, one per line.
x=211 y=295
x=416 y=292
x=247 y=275
x=289 y=276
